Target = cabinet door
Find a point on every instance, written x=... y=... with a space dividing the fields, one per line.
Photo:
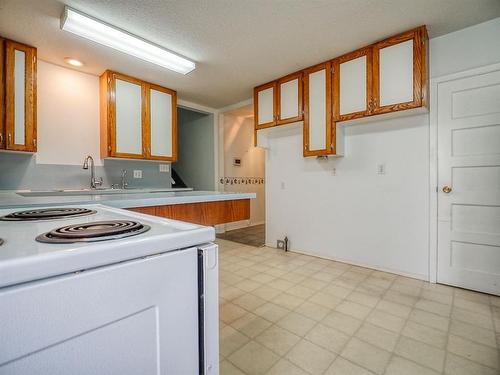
x=399 y=64
x=162 y=124
x=289 y=92
x=20 y=96
x=128 y=110
x=265 y=105
x=352 y=85
x=317 y=110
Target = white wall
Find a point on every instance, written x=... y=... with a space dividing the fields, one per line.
x=358 y=216
x=238 y=142
x=68 y=115
x=473 y=47
x=355 y=215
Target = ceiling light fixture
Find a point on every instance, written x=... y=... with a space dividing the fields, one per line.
x=74 y=62
x=88 y=27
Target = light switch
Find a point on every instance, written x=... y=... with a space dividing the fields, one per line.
x=137 y=173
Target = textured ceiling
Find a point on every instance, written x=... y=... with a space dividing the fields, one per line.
x=237 y=44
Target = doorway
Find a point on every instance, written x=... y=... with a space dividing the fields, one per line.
x=468 y=194
x=195 y=167
x=243 y=170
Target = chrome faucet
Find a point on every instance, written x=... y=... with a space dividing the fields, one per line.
x=94 y=181
x=124 y=181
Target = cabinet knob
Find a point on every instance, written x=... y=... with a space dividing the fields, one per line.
x=447 y=189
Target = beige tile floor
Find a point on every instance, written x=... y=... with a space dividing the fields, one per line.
x=286 y=313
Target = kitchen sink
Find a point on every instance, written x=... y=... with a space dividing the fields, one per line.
x=98 y=191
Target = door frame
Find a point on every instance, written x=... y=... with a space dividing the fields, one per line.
x=433 y=158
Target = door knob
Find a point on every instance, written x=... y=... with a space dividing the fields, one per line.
x=447 y=189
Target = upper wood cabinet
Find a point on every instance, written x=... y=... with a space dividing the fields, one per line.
x=352 y=84
x=18 y=98
x=317 y=110
x=265 y=105
x=400 y=72
x=387 y=76
x=278 y=102
x=138 y=119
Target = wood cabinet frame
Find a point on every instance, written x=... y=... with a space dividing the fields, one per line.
x=173 y=94
x=30 y=97
x=300 y=114
x=330 y=129
x=366 y=51
x=420 y=40
x=108 y=117
x=256 y=91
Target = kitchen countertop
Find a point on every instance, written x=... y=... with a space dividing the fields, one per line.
x=9 y=199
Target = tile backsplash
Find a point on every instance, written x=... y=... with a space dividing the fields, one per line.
x=20 y=171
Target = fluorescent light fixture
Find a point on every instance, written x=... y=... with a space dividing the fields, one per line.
x=74 y=62
x=88 y=27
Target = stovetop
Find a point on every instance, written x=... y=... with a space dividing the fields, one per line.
x=94 y=231
x=51 y=213
x=23 y=258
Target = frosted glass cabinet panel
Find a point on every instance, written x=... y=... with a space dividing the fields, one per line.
x=289 y=99
x=352 y=84
x=396 y=73
x=162 y=112
x=265 y=105
x=317 y=113
x=20 y=97
x=128 y=102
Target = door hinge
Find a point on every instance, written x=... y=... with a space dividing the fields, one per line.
x=34 y=142
x=109 y=148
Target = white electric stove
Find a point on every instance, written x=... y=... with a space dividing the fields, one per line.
x=98 y=290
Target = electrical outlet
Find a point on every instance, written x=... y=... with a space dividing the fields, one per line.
x=282 y=185
x=137 y=173
x=380 y=168
x=334 y=171
x=164 y=168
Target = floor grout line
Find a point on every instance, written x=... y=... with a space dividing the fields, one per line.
x=298 y=264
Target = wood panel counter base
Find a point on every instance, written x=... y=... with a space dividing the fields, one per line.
x=204 y=213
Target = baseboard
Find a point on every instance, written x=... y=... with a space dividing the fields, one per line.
x=241 y=224
x=376 y=268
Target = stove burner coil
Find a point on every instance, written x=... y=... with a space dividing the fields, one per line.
x=47 y=214
x=93 y=232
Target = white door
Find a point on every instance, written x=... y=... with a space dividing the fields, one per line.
x=469 y=182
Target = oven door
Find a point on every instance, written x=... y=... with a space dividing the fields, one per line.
x=135 y=317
